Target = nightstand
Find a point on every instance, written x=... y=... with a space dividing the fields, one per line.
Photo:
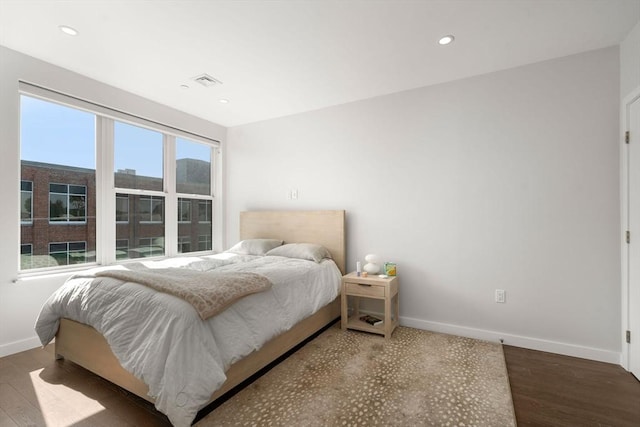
x=370 y=287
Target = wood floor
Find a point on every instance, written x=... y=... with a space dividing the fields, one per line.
x=36 y=390
x=548 y=390
x=553 y=390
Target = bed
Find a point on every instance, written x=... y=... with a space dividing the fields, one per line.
x=85 y=346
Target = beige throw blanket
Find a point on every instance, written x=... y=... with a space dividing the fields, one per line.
x=208 y=292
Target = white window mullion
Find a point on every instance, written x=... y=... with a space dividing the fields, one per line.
x=105 y=188
x=171 y=200
x=192 y=196
x=217 y=218
x=140 y=192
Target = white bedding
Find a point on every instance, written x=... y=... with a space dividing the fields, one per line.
x=161 y=339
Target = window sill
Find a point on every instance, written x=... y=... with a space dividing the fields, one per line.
x=38 y=273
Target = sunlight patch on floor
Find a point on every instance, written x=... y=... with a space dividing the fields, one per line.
x=60 y=404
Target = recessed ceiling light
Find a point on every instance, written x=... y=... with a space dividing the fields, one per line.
x=68 y=30
x=224 y=101
x=184 y=87
x=446 y=40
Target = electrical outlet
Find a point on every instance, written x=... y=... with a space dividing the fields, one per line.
x=294 y=194
x=501 y=296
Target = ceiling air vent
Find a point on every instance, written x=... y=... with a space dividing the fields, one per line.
x=206 y=80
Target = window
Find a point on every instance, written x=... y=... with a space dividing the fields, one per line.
x=184 y=244
x=184 y=210
x=25 y=256
x=149 y=246
x=193 y=184
x=26 y=202
x=67 y=203
x=204 y=242
x=204 y=211
x=187 y=226
x=150 y=209
x=138 y=177
x=193 y=167
x=61 y=154
x=122 y=248
x=122 y=208
x=57 y=149
x=138 y=157
x=66 y=253
x=146 y=227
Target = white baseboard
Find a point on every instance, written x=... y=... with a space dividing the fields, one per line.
x=18 y=346
x=597 y=354
x=445 y=328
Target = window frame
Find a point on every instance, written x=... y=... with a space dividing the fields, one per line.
x=152 y=199
x=208 y=211
x=106 y=191
x=150 y=245
x=128 y=199
x=30 y=253
x=184 y=240
x=207 y=241
x=122 y=246
x=22 y=192
x=182 y=201
x=67 y=220
x=68 y=251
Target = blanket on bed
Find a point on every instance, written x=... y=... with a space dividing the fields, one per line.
x=162 y=341
x=209 y=292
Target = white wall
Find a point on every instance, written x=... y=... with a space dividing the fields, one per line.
x=630 y=62
x=508 y=180
x=20 y=301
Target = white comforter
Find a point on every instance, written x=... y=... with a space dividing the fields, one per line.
x=161 y=339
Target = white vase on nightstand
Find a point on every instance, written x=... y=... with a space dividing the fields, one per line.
x=373 y=264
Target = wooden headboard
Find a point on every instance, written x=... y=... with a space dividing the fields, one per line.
x=324 y=228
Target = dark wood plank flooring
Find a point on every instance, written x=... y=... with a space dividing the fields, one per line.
x=554 y=390
x=36 y=390
x=547 y=389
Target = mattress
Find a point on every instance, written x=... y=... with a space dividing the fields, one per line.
x=161 y=339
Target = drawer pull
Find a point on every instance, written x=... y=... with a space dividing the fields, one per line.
x=364 y=284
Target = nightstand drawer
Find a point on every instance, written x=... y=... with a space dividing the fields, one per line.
x=365 y=290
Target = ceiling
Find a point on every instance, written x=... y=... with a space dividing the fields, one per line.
x=276 y=58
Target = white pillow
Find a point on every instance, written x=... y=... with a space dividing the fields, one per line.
x=254 y=246
x=309 y=251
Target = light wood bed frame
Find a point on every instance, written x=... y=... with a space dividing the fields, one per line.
x=86 y=347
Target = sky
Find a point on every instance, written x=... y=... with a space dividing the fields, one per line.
x=52 y=133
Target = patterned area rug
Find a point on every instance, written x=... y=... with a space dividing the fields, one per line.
x=348 y=378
